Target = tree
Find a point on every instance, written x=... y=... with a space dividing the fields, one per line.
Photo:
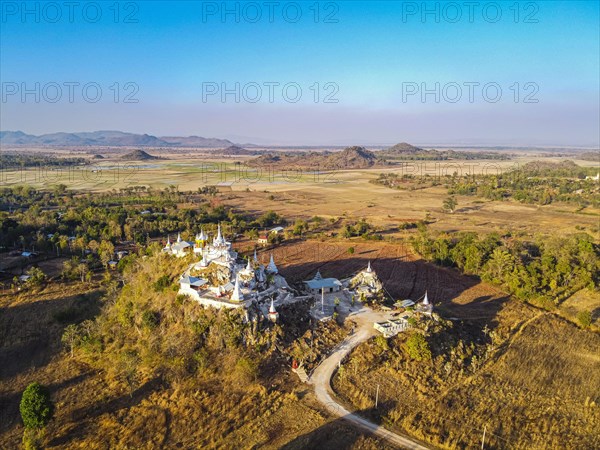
x=36 y=277
x=93 y=246
x=36 y=407
x=71 y=337
x=300 y=227
x=450 y=204
x=83 y=270
x=417 y=347
x=351 y=250
x=500 y=264
x=106 y=252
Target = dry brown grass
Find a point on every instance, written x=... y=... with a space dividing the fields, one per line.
x=539 y=390
x=584 y=300
x=213 y=408
x=306 y=195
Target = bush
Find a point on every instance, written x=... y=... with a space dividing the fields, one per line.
x=584 y=318
x=246 y=369
x=36 y=407
x=151 y=319
x=417 y=347
x=31 y=439
x=162 y=283
x=382 y=343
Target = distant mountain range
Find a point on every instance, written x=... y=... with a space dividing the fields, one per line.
x=109 y=139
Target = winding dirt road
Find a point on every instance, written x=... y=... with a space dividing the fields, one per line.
x=321 y=379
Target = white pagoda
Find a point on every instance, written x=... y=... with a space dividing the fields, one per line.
x=273 y=314
x=272 y=268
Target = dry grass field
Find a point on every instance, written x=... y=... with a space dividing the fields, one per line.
x=538 y=389
x=300 y=193
x=93 y=411
x=534 y=386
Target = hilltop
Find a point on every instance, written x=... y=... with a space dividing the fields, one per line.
x=349 y=158
x=139 y=155
x=404 y=150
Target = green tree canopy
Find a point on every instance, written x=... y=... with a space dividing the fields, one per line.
x=36 y=407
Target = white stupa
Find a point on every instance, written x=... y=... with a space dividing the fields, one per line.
x=236 y=295
x=219 y=240
x=204 y=261
x=425 y=306
x=167 y=247
x=273 y=314
x=272 y=268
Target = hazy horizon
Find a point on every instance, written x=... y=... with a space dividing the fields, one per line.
x=266 y=142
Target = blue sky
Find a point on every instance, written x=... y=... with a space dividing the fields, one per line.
x=368 y=54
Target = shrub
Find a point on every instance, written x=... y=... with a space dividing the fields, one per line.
x=382 y=343
x=246 y=369
x=162 y=283
x=417 y=347
x=584 y=318
x=31 y=439
x=151 y=319
x=36 y=407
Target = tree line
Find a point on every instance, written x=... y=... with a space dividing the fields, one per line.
x=544 y=269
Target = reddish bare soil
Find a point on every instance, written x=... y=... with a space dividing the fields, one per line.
x=403 y=274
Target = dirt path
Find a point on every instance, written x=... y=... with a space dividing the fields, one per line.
x=321 y=379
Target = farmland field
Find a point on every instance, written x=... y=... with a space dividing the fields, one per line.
x=302 y=193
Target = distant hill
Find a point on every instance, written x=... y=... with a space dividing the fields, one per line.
x=403 y=148
x=235 y=150
x=196 y=141
x=590 y=156
x=349 y=158
x=139 y=155
x=108 y=139
x=407 y=151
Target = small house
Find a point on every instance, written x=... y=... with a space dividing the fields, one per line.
x=391 y=328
